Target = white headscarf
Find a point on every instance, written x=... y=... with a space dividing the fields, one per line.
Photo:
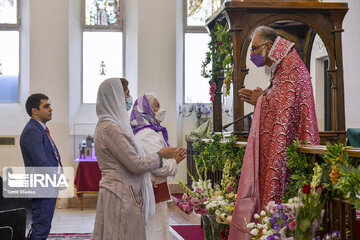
x=110 y=105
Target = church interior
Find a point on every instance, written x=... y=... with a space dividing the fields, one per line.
x=194 y=56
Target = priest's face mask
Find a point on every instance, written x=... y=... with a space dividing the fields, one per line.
x=259 y=51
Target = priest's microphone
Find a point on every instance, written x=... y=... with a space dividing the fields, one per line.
x=239 y=119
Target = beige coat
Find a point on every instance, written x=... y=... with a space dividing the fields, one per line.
x=119 y=213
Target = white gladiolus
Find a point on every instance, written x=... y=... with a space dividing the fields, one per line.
x=263 y=213
x=259 y=226
x=256 y=216
x=250 y=225
x=254 y=232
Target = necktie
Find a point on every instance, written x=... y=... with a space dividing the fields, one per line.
x=57 y=153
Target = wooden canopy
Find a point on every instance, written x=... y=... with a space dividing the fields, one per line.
x=300 y=20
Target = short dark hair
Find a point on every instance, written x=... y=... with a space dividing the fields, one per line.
x=124 y=83
x=33 y=101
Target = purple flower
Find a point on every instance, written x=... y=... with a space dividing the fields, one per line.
x=280 y=207
x=276 y=227
x=284 y=216
x=273 y=220
x=335 y=234
x=285 y=224
x=276 y=215
x=275 y=236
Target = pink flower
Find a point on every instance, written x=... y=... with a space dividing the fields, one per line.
x=292 y=225
x=230 y=188
x=201 y=211
x=204 y=199
x=217 y=186
x=199 y=190
x=195 y=203
x=185 y=196
x=212 y=91
x=320 y=189
x=271 y=207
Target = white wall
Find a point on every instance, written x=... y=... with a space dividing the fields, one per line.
x=51 y=63
x=318 y=57
x=351 y=52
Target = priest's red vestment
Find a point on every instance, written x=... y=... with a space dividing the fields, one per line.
x=284 y=113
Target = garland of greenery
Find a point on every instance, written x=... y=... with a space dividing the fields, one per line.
x=213 y=154
x=220 y=54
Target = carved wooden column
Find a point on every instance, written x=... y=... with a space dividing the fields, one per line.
x=217 y=108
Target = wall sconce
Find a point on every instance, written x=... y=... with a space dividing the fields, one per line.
x=185 y=111
x=200 y=109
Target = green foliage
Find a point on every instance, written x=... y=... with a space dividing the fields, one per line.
x=300 y=167
x=220 y=55
x=213 y=154
x=349 y=183
x=341 y=173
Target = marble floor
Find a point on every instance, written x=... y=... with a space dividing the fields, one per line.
x=73 y=220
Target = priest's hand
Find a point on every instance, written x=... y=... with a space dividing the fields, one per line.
x=250 y=96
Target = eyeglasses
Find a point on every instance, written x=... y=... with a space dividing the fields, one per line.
x=254 y=48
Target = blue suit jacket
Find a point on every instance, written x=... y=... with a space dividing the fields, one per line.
x=36 y=147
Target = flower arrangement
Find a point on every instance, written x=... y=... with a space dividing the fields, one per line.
x=195 y=199
x=298 y=218
x=223 y=201
x=313 y=200
x=277 y=221
x=216 y=205
x=341 y=174
x=201 y=109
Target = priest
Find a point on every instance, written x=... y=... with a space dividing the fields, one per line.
x=285 y=111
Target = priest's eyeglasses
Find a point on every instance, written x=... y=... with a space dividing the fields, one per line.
x=254 y=48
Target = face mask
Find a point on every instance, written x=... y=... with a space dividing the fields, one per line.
x=160 y=115
x=129 y=103
x=258 y=59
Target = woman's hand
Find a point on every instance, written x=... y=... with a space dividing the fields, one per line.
x=181 y=155
x=170 y=152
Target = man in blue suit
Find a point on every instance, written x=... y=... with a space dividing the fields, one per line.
x=39 y=150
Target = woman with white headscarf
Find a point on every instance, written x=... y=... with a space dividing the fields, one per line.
x=145 y=121
x=126 y=197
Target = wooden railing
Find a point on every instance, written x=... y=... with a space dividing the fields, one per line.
x=339 y=214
